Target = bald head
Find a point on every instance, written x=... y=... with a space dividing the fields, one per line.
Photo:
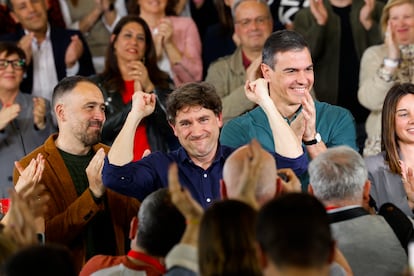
x=266 y=183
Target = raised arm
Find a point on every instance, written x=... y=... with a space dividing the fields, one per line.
x=122 y=150
x=285 y=140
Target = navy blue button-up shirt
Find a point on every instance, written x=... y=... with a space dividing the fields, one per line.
x=139 y=179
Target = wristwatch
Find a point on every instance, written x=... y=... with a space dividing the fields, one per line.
x=316 y=140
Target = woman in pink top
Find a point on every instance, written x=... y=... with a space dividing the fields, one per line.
x=176 y=39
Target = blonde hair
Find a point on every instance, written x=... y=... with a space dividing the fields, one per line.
x=386 y=11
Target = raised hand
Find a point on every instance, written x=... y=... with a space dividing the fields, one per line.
x=257 y=91
x=8 y=114
x=39 y=112
x=182 y=198
x=292 y=185
x=393 y=51
x=309 y=115
x=25 y=43
x=74 y=51
x=365 y=14
x=139 y=73
x=253 y=71
x=318 y=11
x=143 y=104
x=94 y=174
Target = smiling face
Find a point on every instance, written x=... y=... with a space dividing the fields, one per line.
x=129 y=44
x=10 y=77
x=252 y=24
x=198 y=130
x=32 y=14
x=153 y=6
x=401 y=18
x=404 y=119
x=291 y=77
x=81 y=114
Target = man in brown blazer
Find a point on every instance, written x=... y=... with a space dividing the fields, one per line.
x=82 y=214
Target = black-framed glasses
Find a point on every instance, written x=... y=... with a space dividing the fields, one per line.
x=17 y=64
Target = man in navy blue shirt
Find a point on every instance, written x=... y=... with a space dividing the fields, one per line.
x=194 y=113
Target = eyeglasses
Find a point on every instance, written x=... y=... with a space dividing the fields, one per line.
x=258 y=21
x=17 y=64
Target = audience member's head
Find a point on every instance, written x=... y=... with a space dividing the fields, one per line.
x=339 y=177
x=128 y=28
x=12 y=59
x=233 y=174
x=253 y=23
x=396 y=114
x=45 y=260
x=294 y=235
x=134 y=7
x=80 y=110
x=32 y=15
x=160 y=224
x=194 y=113
x=227 y=240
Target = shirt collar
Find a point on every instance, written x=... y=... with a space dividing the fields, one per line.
x=184 y=157
x=295 y=115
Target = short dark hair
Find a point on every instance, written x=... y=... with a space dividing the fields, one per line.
x=47 y=260
x=193 y=94
x=9 y=5
x=280 y=42
x=11 y=48
x=161 y=224
x=293 y=230
x=66 y=85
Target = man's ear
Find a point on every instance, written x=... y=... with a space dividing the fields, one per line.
x=173 y=128
x=223 y=190
x=310 y=189
x=365 y=195
x=133 y=228
x=266 y=71
x=220 y=120
x=14 y=17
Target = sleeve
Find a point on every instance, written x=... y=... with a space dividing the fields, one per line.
x=136 y=179
x=190 y=68
x=372 y=89
x=299 y=165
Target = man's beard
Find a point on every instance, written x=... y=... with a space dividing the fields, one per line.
x=91 y=139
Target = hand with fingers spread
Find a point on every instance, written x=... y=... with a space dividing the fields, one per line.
x=94 y=173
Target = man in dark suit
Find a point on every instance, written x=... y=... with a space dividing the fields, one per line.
x=52 y=53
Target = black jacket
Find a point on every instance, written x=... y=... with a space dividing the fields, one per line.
x=159 y=133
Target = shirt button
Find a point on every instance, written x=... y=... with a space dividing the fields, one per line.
x=208 y=200
x=205 y=175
